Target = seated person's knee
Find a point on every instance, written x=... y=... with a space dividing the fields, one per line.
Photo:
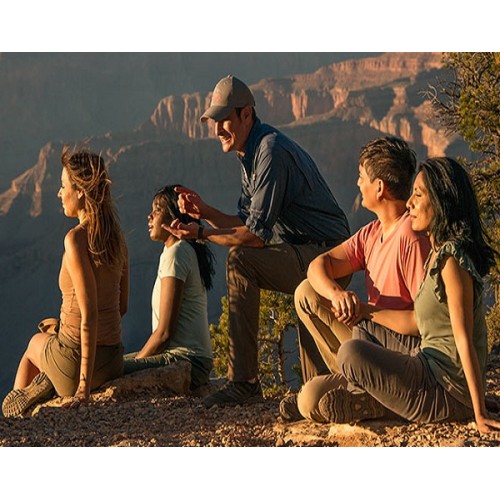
x=313 y=390
x=349 y=356
x=302 y=291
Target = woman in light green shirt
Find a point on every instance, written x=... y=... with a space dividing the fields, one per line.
x=179 y=300
x=444 y=380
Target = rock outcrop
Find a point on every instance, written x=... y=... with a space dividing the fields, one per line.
x=375 y=91
x=155 y=416
x=29 y=183
x=168 y=380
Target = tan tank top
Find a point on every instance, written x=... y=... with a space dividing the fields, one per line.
x=108 y=305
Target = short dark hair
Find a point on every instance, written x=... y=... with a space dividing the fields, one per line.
x=391 y=160
x=456 y=210
x=239 y=110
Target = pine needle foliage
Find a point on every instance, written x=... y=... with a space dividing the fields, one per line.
x=276 y=316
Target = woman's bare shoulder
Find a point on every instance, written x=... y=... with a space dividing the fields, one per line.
x=76 y=239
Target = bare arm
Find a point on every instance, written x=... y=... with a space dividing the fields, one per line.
x=191 y=203
x=323 y=271
x=460 y=294
x=235 y=236
x=83 y=279
x=346 y=304
x=171 y=294
x=218 y=219
x=226 y=230
x=403 y=322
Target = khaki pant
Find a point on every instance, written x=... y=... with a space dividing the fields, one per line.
x=316 y=314
x=248 y=270
x=328 y=333
x=200 y=366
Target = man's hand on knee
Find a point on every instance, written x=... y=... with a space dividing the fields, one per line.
x=345 y=305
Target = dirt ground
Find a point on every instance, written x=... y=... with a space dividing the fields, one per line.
x=150 y=419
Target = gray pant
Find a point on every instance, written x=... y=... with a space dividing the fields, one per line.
x=391 y=368
x=330 y=335
x=248 y=270
x=200 y=367
x=388 y=366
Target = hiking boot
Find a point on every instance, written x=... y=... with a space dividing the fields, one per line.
x=235 y=393
x=342 y=407
x=19 y=400
x=289 y=411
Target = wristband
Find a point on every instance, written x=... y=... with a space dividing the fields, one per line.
x=200 y=238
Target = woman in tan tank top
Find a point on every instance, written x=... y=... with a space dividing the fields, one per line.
x=86 y=350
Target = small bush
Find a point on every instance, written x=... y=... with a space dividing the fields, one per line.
x=277 y=314
x=493 y=324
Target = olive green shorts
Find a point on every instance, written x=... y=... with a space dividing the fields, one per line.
x=61 y=362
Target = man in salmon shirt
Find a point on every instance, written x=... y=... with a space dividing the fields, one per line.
x=389 y=252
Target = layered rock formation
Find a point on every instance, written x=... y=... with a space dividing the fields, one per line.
x=29 y=184
x=61 y=96
x=381 y=92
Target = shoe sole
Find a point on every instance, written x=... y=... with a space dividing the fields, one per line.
x=289 y=410
x=342 y=407
x=18 y=401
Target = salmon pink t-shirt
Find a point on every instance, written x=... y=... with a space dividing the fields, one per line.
x=394 y=265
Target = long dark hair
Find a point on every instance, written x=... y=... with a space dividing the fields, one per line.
x=166 y=197
x=456 y=210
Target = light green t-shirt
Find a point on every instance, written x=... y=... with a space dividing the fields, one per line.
x=192 y=335
x=433 y=320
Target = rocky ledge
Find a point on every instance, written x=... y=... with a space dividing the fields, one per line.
x=155 y=408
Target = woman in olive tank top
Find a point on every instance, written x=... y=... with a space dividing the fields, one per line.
x=445 y=379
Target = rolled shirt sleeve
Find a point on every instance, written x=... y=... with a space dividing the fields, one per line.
x=270 y=195
x=284 y=198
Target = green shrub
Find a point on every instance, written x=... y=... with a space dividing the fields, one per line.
x=276 y=316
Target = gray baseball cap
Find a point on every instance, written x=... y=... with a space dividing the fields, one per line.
x=228 y=94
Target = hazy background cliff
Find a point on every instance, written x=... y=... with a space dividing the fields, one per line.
x=142 y=112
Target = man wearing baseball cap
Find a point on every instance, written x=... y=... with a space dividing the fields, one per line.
x=286 y=217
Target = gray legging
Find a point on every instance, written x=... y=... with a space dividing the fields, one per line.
x=200 y=366
x=395 y=373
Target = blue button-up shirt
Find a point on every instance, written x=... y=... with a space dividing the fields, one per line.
x=284 y=198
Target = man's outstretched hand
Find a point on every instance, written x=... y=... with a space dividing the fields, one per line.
x=182 y=231
x=190 y=203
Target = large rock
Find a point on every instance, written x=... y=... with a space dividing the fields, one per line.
x=174 y=378
x=167 y=380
